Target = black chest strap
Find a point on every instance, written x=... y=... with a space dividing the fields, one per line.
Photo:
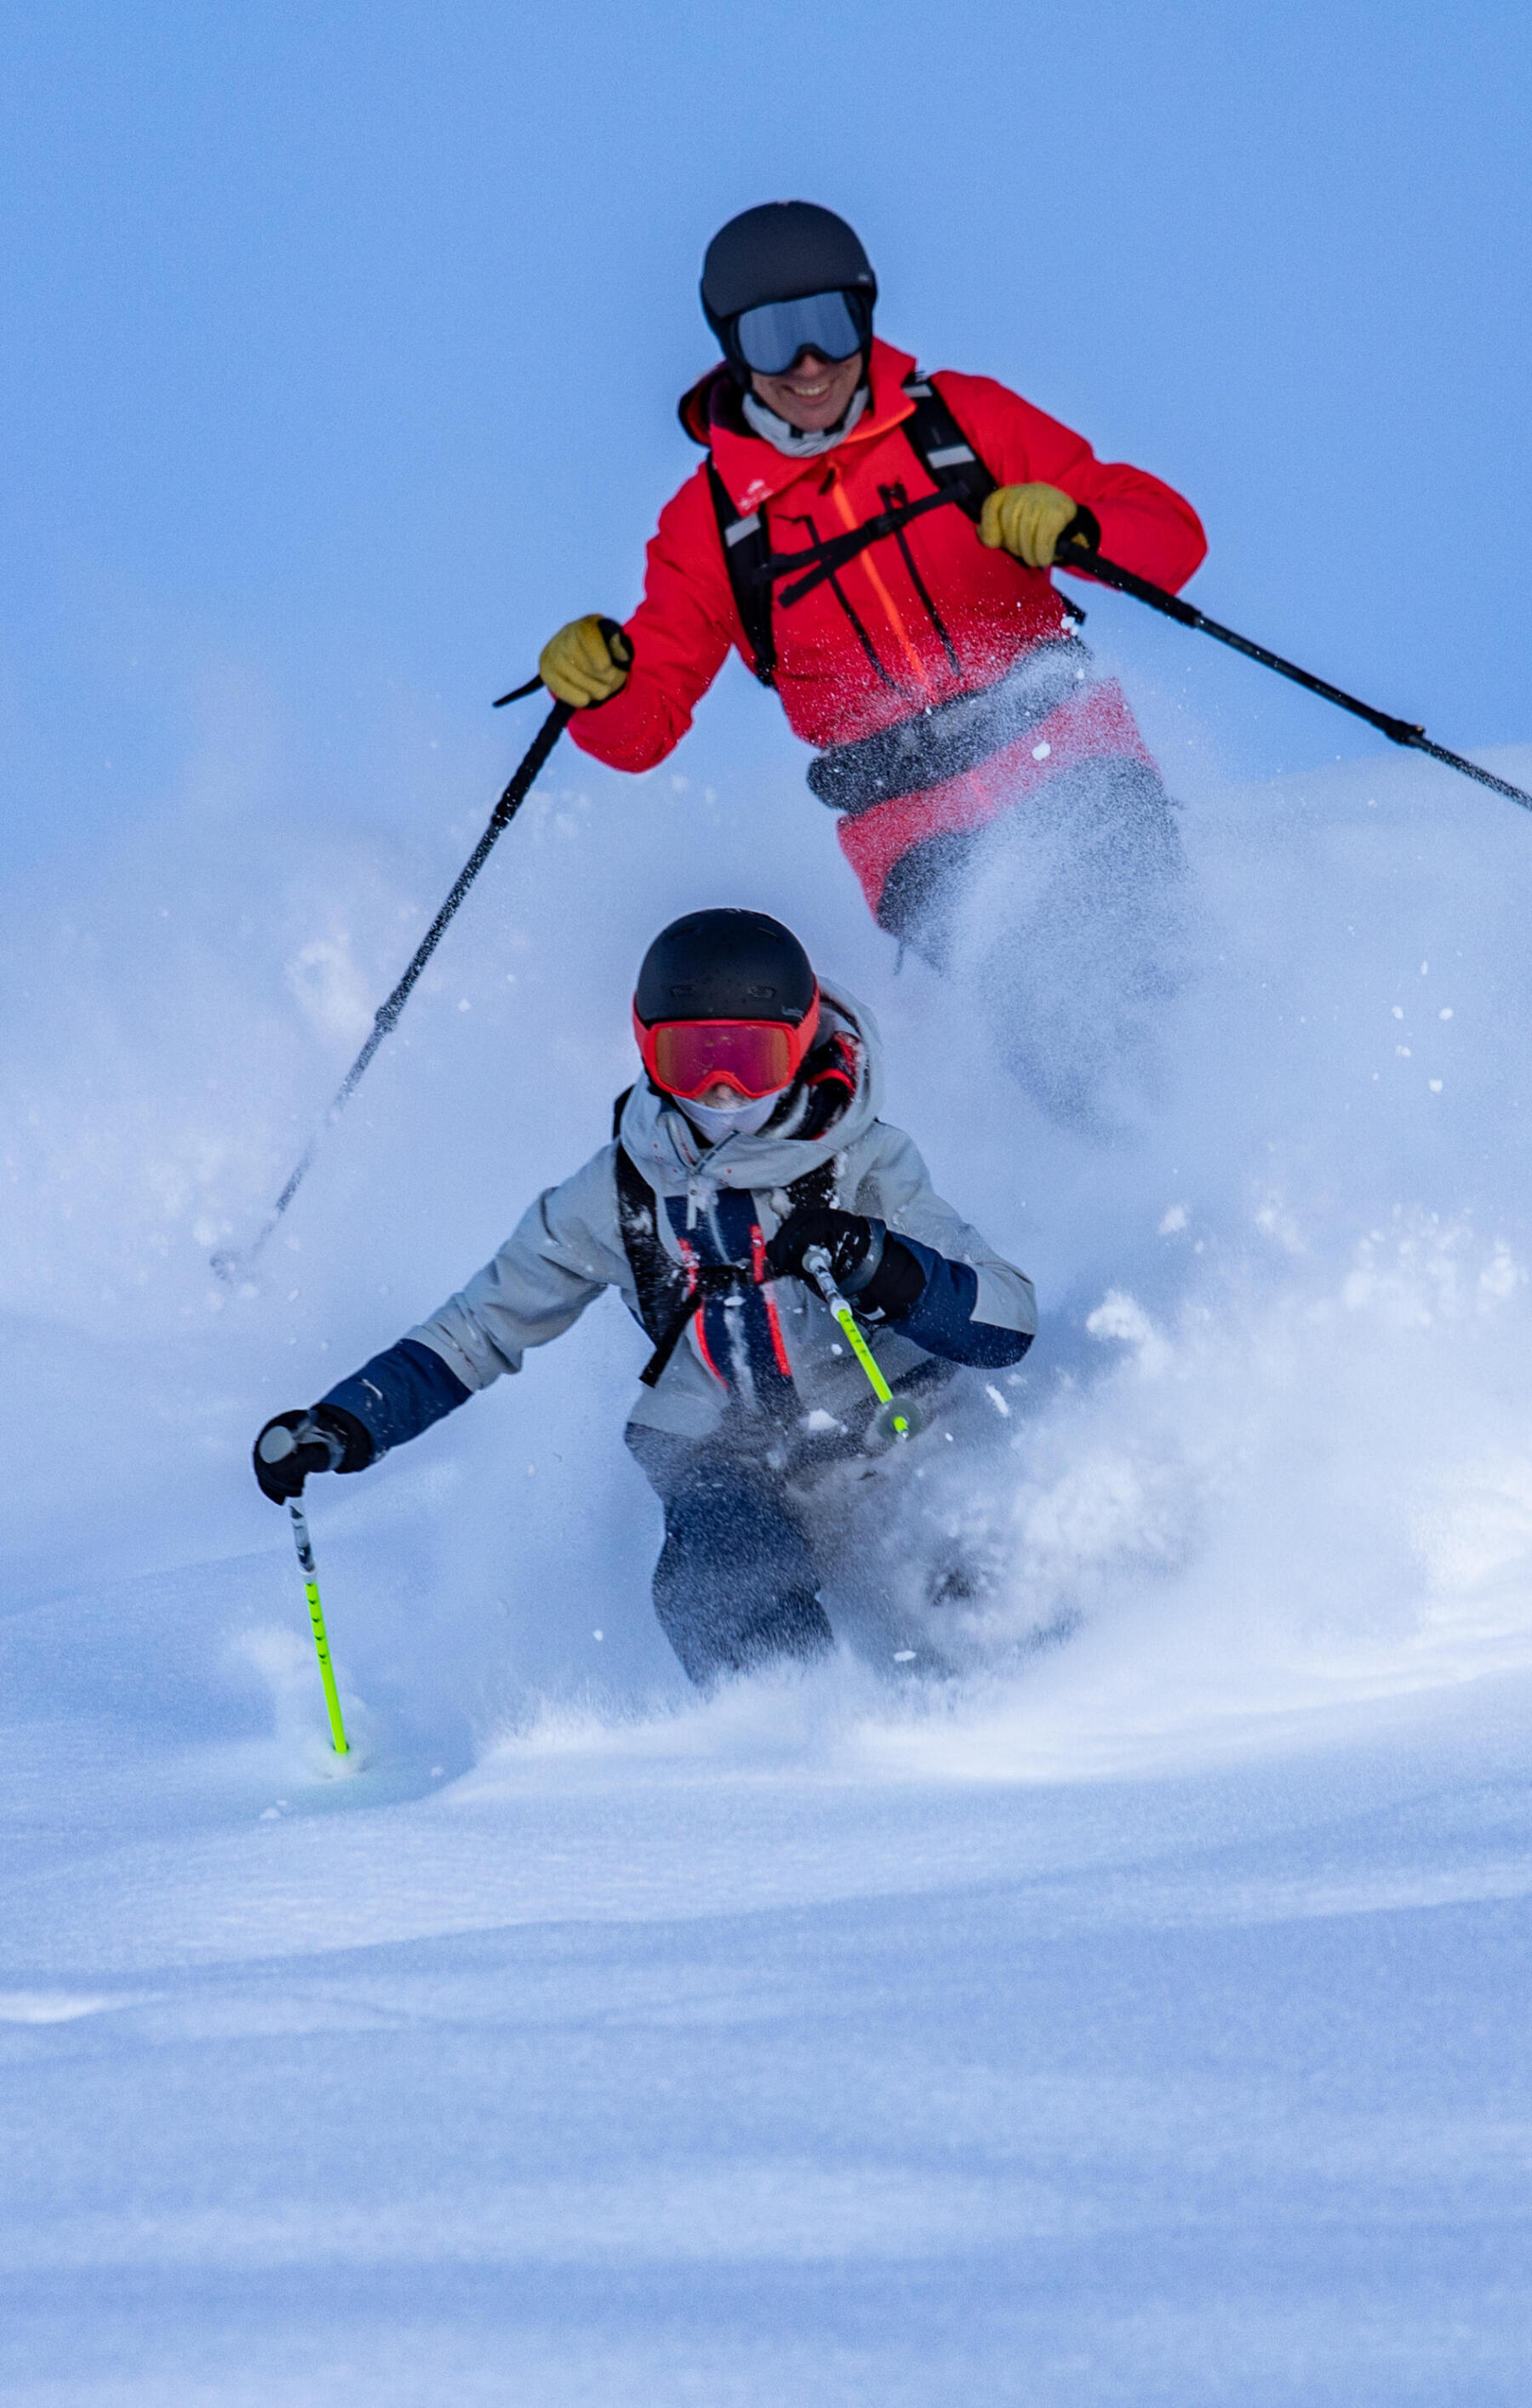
x=669 y=1294
x=943 y=450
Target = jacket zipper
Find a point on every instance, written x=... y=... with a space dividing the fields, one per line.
x=849 y=521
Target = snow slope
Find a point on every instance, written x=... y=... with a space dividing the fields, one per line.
x=1139 y=2017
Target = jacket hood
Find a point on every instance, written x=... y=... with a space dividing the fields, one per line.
x=662 y=1143
x=752 y=468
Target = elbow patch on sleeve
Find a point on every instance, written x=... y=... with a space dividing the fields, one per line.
x=400 y=1393
x=942 y=1321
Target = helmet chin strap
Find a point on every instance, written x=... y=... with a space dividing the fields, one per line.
x=743 y=1119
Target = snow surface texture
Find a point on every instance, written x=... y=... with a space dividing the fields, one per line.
x=1137 y=2015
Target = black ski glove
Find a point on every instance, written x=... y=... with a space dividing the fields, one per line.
x=867 y=1263
x=324 y=1439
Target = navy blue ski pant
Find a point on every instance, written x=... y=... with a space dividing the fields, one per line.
x=735 y=1585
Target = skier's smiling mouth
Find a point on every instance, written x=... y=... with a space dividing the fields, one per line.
x=814 y=395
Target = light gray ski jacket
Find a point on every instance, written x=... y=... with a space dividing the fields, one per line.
x=568 y=1246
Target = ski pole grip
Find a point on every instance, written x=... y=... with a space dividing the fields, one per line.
x=816 y=1262
x=277 y=1444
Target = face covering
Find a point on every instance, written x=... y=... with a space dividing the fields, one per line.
x=791 y=439
x=743 y=1119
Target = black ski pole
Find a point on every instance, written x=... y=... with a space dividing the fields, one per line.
x=1081 y=562
x=230 y=1265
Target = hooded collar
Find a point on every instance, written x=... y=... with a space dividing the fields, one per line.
x=752 y=470
x=660 y=1142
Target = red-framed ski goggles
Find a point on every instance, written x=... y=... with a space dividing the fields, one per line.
x=754 y=1057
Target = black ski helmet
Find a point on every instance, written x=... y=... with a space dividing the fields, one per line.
x=725 y=965
x=779 y=253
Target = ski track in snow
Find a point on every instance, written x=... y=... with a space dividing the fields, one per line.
x=1138 y=2015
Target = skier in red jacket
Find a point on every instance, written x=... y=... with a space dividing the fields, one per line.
x=997 y=802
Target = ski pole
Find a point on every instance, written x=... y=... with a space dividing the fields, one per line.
x=276 y=1442
x=897 y=1419
x=230 y=1265
x=1082 y=561
x=316 y=1615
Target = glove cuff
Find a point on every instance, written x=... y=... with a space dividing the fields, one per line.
x=867 y=1269
x=898 y=1284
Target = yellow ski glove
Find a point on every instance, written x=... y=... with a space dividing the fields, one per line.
x=587 y=662
x=1027 y=521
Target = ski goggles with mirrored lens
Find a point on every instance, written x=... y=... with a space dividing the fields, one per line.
x=774 y=336
x=754 y=1057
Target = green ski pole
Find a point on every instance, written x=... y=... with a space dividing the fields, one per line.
x=316 y=1615
x=277 y=1444
x=895 y=1418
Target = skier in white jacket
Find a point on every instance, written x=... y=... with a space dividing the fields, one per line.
x=753 y=1137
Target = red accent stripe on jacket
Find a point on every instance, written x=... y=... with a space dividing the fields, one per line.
x=758 y=1265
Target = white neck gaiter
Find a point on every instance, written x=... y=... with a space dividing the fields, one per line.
x=742 y=1119
x=791 y=439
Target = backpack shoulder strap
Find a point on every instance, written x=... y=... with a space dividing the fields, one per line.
x=657 y=1280
x=944 y=451
x=952 y=463
x=746 y=548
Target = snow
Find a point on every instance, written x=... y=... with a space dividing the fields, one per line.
x=1136 y=2015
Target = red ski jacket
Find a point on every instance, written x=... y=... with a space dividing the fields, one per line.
x=852 y=662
